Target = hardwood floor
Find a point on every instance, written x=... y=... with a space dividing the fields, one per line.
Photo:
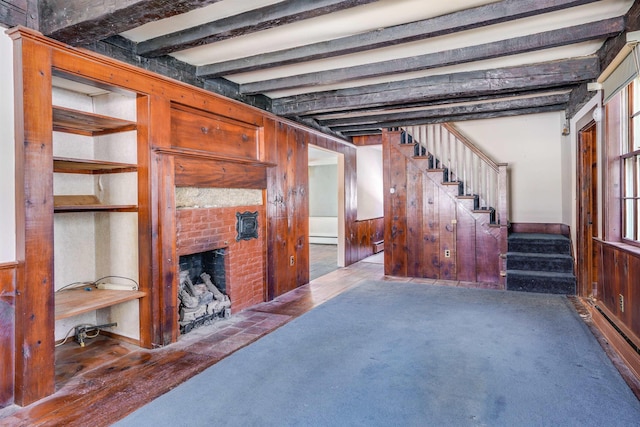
x=106 y=380
x=323 y=259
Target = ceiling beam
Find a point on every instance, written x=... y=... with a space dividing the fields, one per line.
x=360 y=130
x=19 y=12
x=82 y=22
x=466 y=84
x=529 y=43
x=441 y=115
x=489 y=14
x=345 y=123
x=482 y=116
x=254 y=20
x=440 y=102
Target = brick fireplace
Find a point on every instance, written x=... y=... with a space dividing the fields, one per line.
x=206 y=229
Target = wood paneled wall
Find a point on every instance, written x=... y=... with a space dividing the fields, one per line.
x=618 y=275
x=287 y=146
x=7 y=325
x=425 y=221
x=368 y=232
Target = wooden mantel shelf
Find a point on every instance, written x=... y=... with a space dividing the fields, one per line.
x=72 y=302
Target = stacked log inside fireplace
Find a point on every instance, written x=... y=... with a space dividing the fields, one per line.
x=200 y=303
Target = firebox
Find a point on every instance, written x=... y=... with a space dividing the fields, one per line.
x=202 y=290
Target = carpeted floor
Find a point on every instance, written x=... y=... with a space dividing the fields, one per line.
x=405 y=354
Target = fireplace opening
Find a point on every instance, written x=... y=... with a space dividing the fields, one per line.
x=202 y=292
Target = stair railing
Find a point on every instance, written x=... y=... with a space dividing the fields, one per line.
x=465 y=162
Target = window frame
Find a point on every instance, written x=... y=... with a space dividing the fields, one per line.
x=630 y=175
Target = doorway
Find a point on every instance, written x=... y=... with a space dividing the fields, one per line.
x=587 y=227
x=326 y=211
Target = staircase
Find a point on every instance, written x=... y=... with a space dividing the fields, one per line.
x=447 y=206
x=540 y=263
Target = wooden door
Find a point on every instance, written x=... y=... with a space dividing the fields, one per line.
x=587 y=227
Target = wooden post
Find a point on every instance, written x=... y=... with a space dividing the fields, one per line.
x=34 y=303
x=503 y=217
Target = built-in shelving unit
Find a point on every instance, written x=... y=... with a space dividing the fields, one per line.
x=95 y=204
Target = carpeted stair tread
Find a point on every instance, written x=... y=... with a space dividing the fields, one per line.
x=537 y=236
x=541 y=282
x=539 y=243
x=541 y=274
x=540 y=255
x=539 y=261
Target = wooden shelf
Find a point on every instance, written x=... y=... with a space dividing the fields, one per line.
x=72 y=302
x=86 y=203
x=67 y=165
x=89 y=124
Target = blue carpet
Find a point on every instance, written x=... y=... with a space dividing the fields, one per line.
x=399 y=354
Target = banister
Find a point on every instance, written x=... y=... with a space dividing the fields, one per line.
x=467 y=163
x=452 y=129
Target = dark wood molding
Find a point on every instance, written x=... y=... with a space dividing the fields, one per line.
x=466 y=84
x=517 y=45
x=85 y=23
x=493 y=13
x=285 y=12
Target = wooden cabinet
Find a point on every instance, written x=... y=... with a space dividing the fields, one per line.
x=95 y=203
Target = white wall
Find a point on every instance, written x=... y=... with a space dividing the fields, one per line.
x=7 y=179
x=532 y=145
x=323 y=188
x=370 y=186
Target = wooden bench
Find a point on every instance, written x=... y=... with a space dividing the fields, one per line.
x=378 y=246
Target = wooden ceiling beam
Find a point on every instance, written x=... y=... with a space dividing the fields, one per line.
x=480 y=16
x=467 y=84
x=444 y=117
x=477 y=116
x=371 y=129
x=13 y=13
x=348 y=123
x=254 y=20
x=529 y=43
x=82 y=22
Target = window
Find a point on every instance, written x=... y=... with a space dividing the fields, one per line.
x=630 y=158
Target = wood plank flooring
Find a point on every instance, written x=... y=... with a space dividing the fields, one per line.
x=106 y=380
